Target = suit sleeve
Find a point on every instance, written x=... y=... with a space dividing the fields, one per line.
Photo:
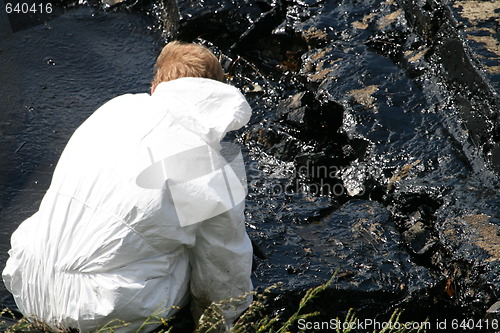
x=221 y=262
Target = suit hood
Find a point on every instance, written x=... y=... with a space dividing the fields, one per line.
x=205 y=106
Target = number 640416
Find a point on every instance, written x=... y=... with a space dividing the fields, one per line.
x=26 y=8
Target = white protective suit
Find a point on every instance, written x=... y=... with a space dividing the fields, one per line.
x=143 y=213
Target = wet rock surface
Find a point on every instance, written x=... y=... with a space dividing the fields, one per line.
x=372 y=151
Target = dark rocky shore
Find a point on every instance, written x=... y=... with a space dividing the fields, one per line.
x=373 y=151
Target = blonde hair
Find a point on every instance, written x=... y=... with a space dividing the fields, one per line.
x=179 y=59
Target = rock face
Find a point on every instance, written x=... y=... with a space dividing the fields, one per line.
x=364 y=244
x=474 y=97
x=372 y=151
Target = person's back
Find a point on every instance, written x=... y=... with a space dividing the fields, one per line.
x=126 y=229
